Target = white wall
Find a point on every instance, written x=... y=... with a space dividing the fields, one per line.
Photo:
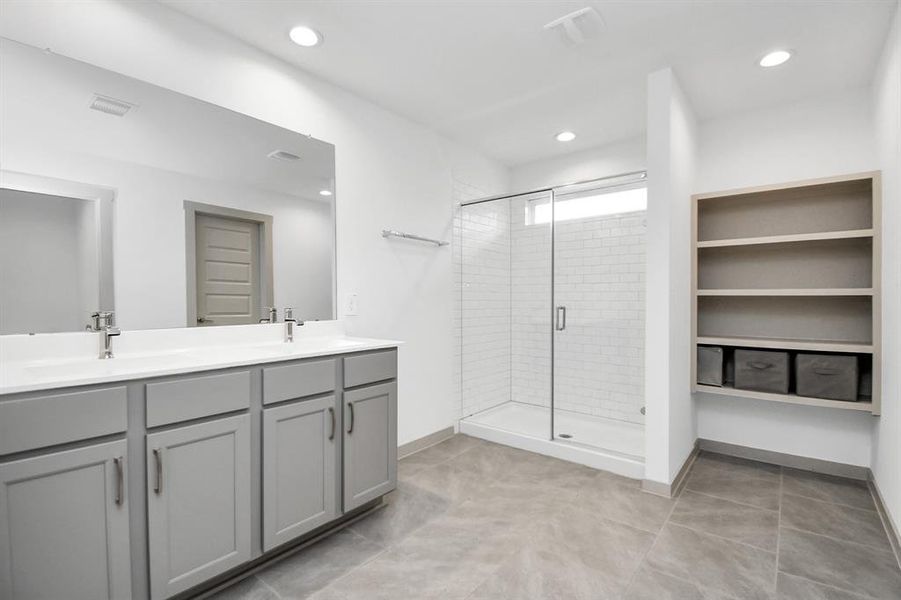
x=887 y=115
x=670 y=429
x=816 y=138
x=390 y=172
x=611 y=159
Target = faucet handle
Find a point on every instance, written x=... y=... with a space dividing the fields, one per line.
x=289 y=314
x=101 y=319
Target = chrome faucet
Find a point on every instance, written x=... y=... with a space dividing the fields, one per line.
x=273 y=315
x=104 y=322
x=290 y=322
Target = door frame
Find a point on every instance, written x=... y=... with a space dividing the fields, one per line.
x=264 y=221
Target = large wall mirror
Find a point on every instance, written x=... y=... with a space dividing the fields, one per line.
x=116 y=194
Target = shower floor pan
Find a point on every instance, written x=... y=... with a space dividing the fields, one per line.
x=607 y=444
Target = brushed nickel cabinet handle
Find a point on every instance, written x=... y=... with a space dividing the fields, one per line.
x=331 y=412
x=158 y=459
x=350 y=428
x=120 y=483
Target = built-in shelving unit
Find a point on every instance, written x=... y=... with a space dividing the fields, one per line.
x=792 y=267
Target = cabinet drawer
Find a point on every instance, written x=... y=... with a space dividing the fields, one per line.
x=298 y=380
x=367 y=368
x=59 y=418
x=196 y=397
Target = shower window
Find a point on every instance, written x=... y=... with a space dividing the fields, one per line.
x=596 y=204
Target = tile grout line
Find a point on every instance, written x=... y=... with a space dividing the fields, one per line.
x=351 y=570
x=708 y=495
x=722 y=538
x=841 y=504
x=268 y=587
x=840 y=540
x=828 y=585
x=388 y=547
x=644 y=557
x=779 y=528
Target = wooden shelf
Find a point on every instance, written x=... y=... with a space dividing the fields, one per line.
x=790 y=292
x=784 y=239
x=811 y=251
x=863 y=406
x=786 y=344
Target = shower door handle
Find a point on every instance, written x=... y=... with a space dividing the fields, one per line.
x=560 y=322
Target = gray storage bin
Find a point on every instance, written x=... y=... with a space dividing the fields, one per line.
x=761 y=371
x=831 y=376
x=710 y=365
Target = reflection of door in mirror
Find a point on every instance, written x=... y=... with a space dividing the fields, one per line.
x=228 y=271
x=232 y=257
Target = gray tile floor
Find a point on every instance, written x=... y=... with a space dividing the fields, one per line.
x=474 y=520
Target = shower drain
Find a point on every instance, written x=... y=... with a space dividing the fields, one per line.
x=565 y=436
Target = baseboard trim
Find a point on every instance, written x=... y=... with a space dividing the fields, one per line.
x=670 y=490
x=424 y=442
x=893 y=537
x=787 y=460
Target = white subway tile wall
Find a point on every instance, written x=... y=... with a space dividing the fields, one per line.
x=504 y=310
x=482 y=303
x=532 y=306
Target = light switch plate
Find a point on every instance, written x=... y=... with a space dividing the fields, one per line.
x=352 y=305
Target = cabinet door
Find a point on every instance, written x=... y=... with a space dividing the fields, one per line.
x=198 y=505
x=370 y=443
x=299 y=469
x=64 y=526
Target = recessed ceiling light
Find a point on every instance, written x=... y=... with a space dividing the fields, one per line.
x=775 y=58
x=566 y=136
x=305 y=36
x=325 y=192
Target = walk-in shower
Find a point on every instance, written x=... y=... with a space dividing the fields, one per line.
x=551 y=321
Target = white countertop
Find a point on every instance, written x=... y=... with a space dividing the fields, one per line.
x=51 y=361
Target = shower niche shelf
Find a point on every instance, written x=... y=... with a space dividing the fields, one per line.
x=791 y=267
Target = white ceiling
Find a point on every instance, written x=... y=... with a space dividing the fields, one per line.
x=486 y=73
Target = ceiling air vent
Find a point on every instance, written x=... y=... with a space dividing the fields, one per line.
x=579 y=27
x=111 y=106
x=282 y=155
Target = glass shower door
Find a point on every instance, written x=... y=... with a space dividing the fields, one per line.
x=598 y=316
x=505 y=305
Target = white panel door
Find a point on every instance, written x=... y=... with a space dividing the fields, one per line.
x=198 y=505
x=227 y=253
x=64 y=526
x=299 y=469
x=370 y=443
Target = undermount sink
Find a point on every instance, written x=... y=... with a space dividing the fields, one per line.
x=96 y=366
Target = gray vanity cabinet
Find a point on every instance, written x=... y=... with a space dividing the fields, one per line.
x=64 y=525
x=370 y=443
x=198 y=502
x=300 y=449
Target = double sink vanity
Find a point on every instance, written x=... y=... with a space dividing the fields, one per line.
x=191 y=456
x=163 y=428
